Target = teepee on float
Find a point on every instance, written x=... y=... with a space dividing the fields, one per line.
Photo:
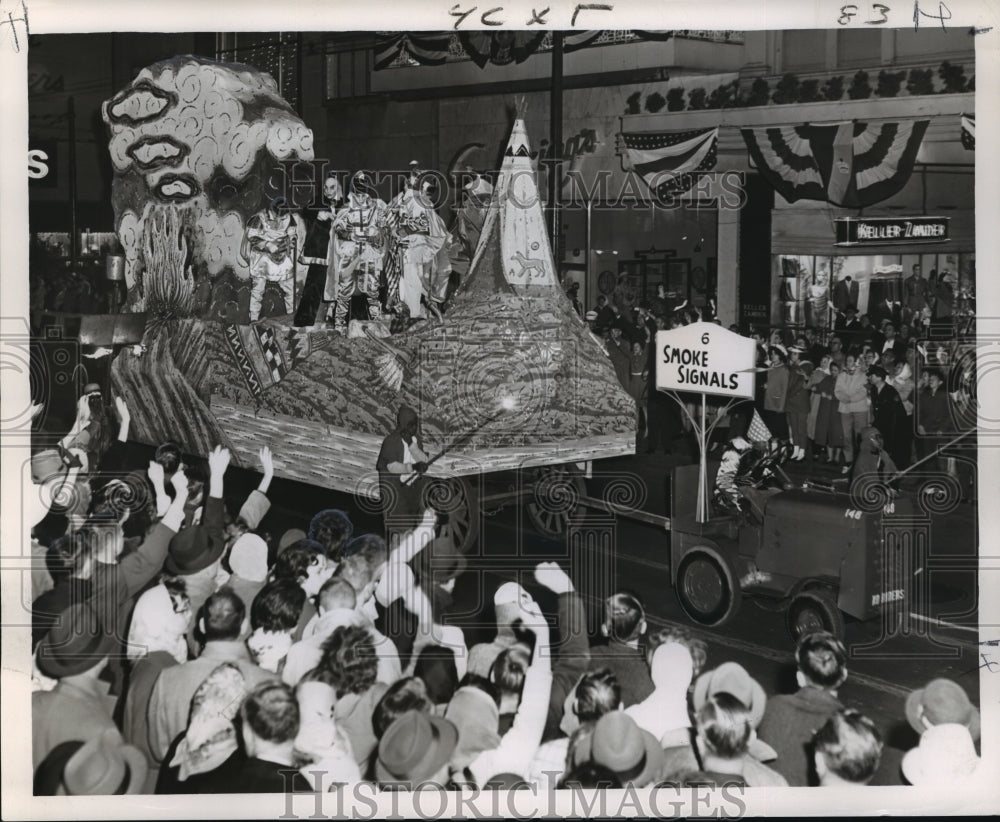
x=529 y=359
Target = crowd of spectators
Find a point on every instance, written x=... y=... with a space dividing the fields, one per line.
x=818 y=390
x=178 y=650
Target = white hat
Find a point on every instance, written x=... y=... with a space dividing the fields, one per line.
x=945 y=755
x=248 y=558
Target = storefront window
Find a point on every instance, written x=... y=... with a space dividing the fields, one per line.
x=816 y=290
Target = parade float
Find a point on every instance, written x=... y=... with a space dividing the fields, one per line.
x=512 y=379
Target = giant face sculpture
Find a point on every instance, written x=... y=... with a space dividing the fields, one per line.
x=194 y=144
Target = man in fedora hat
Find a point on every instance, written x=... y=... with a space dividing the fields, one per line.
x=75 y=653
x=732 y=678
x=415 y=750
x=940 y=702
x=617 y=743
x=101 y=766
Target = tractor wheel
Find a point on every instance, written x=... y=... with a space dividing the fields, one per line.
x=707 y=586
x=555 y=499
x=811 y=611
x=456 y=500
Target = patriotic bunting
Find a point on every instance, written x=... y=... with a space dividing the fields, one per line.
x=671 y=162
x=969 y=132
x=500 y=47
x=431 y=48
x=427 y=48
x=847 y=164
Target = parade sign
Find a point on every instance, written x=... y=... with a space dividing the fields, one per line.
x=705 y=358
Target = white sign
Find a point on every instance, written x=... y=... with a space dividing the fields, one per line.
x=705 y=358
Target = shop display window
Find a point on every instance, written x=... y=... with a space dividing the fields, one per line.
x=811 y=290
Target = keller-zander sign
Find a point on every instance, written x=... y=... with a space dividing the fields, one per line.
x=891 y=230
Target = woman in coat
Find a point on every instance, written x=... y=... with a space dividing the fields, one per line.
x=775 y=392
x=851 y=391
x=829 y=432
x=797 y=403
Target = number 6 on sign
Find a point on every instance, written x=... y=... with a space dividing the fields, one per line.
x=704 y=339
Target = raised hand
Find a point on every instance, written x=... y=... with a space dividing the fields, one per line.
x=218 y=461
x=122 y=408
x=155 y=474
x=553 y=577
x=266 y=461
x=180 y=483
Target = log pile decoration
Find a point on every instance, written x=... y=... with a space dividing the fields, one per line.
x=198 y=139
x=513 y=375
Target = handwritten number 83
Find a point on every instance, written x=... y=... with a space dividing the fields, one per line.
x=850 y=11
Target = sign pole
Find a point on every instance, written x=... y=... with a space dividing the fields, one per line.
x=702 y=512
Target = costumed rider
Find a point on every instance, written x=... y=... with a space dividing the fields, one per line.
x=740 y=478
x=318 y=252
x=271 y=243
x=361 y=231
x=419 y=267
x=735 y=465
x=401 y=465
x=873 y=462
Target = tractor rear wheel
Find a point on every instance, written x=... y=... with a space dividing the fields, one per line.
x=814 y=610
x=554 y=501
x=456 y=499
x=707 y=586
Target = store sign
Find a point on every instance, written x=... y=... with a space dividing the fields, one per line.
x=705 y=358
x=891 y=230
x=42 y=167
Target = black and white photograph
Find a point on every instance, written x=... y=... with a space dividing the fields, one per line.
x=442 y=410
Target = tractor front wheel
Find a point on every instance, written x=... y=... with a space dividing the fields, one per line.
x=814 y=610
x=707 y=586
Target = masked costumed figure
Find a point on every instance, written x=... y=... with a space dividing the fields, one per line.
x=401 y=465
x=360 y=229
x=271 y=243
x=470 y=219
x=420 y=267
x=318 y=252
